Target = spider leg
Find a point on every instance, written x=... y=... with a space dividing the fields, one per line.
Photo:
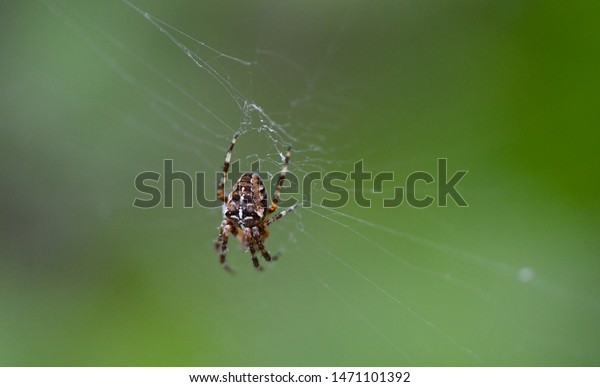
x=250 y=242
x=275 y=200
x=281 y=214
x=261 y=246
x=254 y=259
x=221 y=244
x=221 y=186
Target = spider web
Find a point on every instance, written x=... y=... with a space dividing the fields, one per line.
x=364 y=286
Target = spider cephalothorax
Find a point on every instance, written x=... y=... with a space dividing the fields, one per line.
x=245 y=211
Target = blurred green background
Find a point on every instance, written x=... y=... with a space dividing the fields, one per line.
x=93 y=94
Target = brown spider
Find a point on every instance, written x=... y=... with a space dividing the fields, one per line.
x=245 y=211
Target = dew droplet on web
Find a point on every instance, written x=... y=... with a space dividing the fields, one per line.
x=525 y=274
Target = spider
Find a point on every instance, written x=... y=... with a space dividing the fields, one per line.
x=245 y=211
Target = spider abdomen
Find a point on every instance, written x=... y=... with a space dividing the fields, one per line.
x=246 y=203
